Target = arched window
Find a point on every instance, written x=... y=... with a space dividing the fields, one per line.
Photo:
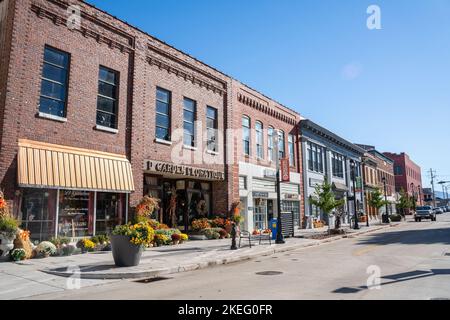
x=270 y=140
x=282 y=144
x=259 y=140
x=246 y=135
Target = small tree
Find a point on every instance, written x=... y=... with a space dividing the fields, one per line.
x=325 y=200
x=377 y=200
x=404 y=202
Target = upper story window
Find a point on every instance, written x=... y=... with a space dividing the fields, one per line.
x=107 y=98
x=315 y=157
x=259 y=140
x=398 y=171
x=282 y=144
x=291 y=146
x=55 y=78
x=189 y=114
x=163 y=114
x=270 y=140
x=211 y=128
x=246 y=135
x=337 y=165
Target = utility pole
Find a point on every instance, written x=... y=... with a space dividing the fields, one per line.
x=432 y=175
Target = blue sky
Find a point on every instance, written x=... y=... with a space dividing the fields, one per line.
x=389 y=87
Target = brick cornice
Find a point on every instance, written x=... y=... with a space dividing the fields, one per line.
x=191 y=77
x=84 y=30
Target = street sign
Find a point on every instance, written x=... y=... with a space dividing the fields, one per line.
x=285 y=170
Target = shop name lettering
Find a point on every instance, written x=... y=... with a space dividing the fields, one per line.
x=161 y=167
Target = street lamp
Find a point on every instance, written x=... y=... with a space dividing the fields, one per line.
x=353 y=165
x=280 y=238
x=413 y=192
x=386 y=214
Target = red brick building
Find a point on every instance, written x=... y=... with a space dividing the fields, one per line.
x=95 y=113
x=408 y=175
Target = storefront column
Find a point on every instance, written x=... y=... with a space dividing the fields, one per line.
x=95 y=214
x=57 y=214
x=127 y=204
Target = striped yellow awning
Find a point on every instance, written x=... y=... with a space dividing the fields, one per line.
x=54 y=166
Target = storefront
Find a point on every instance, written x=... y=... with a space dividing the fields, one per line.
x=71 y=192
x=258 y=195
x=186 y=193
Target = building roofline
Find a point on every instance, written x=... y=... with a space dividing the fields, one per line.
x=187 y=54
x=308 y=124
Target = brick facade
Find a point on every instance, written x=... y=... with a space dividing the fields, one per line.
x=143 y=63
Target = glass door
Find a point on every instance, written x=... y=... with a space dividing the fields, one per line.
x=260 y=214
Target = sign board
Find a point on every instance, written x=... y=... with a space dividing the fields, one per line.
x=257 y=194
x=166 y=168
x=292 y=196
x=285 y=170
x=271 y=174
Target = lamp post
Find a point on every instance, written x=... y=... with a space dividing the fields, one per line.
x=385 y=217
x=280 y=238
x=413 y=192
x=353 y=165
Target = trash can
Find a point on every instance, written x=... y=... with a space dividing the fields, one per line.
x=274 y=228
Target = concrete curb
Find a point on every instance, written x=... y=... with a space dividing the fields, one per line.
x=209 y=263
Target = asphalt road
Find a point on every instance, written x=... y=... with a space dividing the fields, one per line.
x=413 y=262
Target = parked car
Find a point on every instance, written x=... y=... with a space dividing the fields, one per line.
x=426 y=212
x=438 y=210
x=448 y=208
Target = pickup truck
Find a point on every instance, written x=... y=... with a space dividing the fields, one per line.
x=426 y=212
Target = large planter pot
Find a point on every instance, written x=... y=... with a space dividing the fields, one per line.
x=124 y=252
x=6 y=245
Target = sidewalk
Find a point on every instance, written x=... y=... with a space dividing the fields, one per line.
x=162 y=261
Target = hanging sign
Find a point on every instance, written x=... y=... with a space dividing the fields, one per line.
x=285 y=170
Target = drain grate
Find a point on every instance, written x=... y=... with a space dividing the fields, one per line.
x=150 y=280
x=269 y=273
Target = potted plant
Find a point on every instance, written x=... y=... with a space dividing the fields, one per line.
x=176 y=238
x=128 y=242
x=18 y=255
x=8 y=228
x=45 y=249
x=86 y=245
x=184 y=238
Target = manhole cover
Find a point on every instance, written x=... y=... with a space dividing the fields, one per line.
x=149 y=280
x=269 y=273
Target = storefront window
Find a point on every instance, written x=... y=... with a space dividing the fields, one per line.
x=292 y=206
x=109 y=212
x=260 y=214
x=76 y=213
x=38 y=213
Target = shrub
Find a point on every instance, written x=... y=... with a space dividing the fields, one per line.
x=184 y=237
x=60 y=242
x=211 y=233
x=9 y=226
x=86 y=245
x=141 y=234
x=162 y=239
x=176 y=237
x=100 y=239
x=18 y=254
x=45 y=249
x=200 y=224
x=218 y=222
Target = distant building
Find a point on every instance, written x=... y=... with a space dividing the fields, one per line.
x=376 y=168
x=408 y=175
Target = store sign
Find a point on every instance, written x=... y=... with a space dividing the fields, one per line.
x=285 y=170
x=181 y=170
x=292 y=196
x=271 y=174
x=257 y=194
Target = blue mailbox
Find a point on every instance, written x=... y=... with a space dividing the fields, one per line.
x=274 y=228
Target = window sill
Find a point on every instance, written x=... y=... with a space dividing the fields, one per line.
x=189 y=148
x=106 y=129
x=52 y=117
x=165 y=142
x=214 y=153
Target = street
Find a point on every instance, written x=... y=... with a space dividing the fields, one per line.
x=413 y=261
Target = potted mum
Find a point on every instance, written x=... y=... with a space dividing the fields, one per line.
x=8 y=229
x=128 y=243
